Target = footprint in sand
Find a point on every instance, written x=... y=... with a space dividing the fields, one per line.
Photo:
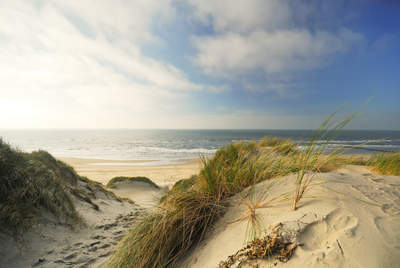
x=336 y=223
x=389 y=228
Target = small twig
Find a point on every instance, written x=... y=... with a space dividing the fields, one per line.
x=340 y=247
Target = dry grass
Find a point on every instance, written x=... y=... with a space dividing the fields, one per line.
x=191 y=207
x=387 y=163
x=316 y=157
x=273 y=246
x=168 y=233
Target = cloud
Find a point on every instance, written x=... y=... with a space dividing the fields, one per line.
x=243 y=15
x=274 y=37
x=218 y=88
x=273 y=52
x=62 y=58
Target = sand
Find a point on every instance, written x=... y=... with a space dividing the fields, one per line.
x=142 y=193
x=351 y=219
x=51 y=244
x=160 y=173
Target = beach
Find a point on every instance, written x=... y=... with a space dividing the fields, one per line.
x=160 y=172
x=200 y=134
x=348 y=210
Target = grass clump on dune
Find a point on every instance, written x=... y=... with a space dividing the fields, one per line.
x=114 y=181
x=32 y=184
x=167 y=234
x=27 y=185
x=191 y=207
x=184 y=184
x=386 y=163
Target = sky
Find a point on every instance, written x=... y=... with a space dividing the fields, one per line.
x=243 y=64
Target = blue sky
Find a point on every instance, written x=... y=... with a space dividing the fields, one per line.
x=198 y=63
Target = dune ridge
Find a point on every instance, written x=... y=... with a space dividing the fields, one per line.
x=357 y=224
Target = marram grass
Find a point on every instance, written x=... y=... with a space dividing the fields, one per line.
x=188 y=211
x=31 y=183
x=167 y=234
x=385 y=163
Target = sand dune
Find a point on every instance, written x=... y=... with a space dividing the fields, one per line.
x=349 y=218
x=141 y=193
x=51 y=244
x=352 y=220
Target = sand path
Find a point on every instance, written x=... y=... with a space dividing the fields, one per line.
x=55 y=245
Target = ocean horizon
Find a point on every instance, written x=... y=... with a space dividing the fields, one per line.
x=177 y=144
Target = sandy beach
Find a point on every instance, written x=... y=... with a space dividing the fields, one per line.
x=160 y=172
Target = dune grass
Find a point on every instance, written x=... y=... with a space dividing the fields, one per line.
x=191 y=206
x=165 y=235
x=184 y=184
x=114 y=181
x=27 y=185
x=386 y=163
x=316 y=156
x=34 y=183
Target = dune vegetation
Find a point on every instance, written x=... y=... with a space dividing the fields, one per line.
x=31 y=183
x=34 y=184
x=114 y=181
x=191 y=207
x=385 y=163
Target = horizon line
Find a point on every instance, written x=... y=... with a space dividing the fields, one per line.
x=260 y=129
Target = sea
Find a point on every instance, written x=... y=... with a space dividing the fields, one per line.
x=170 y=146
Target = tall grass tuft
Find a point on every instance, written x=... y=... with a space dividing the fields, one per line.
x=191 y=207
x=386 y=163
x=316 y=156
x=167 y=234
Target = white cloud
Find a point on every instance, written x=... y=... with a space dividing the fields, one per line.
x=242 y=15
x=64 y=58
x=265 y=35
x=273 y=52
